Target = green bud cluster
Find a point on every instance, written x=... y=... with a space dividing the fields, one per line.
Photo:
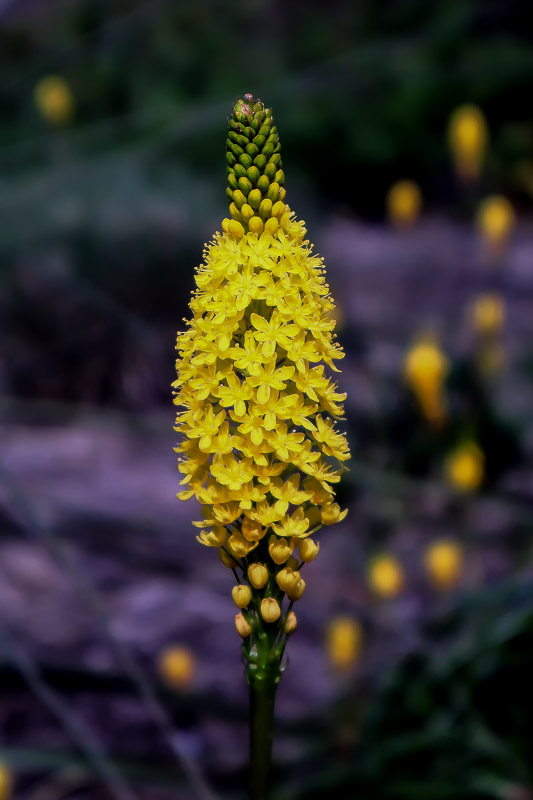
x=255 y=176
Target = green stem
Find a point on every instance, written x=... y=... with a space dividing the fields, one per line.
x=262 y=697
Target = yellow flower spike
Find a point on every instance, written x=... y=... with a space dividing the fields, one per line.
x=495 y=220
x=54 y=100
x=344 y=639
x=257 y=575
x=241 y=595
x=287 y=578
x=467 y=137
x=295 y=592
x=444 y=562
x=270 y=610
x=308 y=549
x=386 y=576
x=464 y=467
x=279 y=549
x=244 y=629
x=258 y=412
x=425 y=369
x=177 y=666
x=291 y=623
x=404 y=201
x=487 y=314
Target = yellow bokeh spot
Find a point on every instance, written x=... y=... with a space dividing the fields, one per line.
x=465 y=467
x=443 y=561
x=386 y=576
x=6 y=782
x=404 y=202
x=54 y=100
x=425 y=369
x=495 y=220
x=177 y=666
x=467 y=137
x=488 y=314
x=344 y=639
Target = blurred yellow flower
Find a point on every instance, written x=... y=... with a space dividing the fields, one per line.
x=496 y=220
x=344 y=638
x=467 y=137
x=404 y=201
x=465 y=467
x=6 y=782
x=386 y=576
x=488 y=314
x=54 y=100
x=443 y=560
x=177 y=666
x=425 y=369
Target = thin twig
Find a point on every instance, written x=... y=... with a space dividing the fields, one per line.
x=80 y=733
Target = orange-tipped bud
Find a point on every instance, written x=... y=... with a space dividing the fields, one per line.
x=243 y=627
x=291 y=623
x=270 y=610
x=242 y=595
x=257 y=575
x=177 y=666
x=296 y=591
x=308 y=550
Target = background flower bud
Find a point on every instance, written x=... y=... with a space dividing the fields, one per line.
x=177 y=666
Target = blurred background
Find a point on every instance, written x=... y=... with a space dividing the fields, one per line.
x=407 y=136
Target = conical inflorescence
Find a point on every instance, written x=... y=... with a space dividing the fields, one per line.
x=260 y=449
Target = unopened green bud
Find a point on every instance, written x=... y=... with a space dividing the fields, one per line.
x=252 y=174
x=254 y=198
x=263 y=183
x=265 y=208
x=280 y=177
x=247 y=212
x=270 y=171
x=245 y=160
x=252 y=149
x=232 y=180
x=239 y=198
x=245 y=185
x=259 y=140
x=260 y=161
x=240 y=171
